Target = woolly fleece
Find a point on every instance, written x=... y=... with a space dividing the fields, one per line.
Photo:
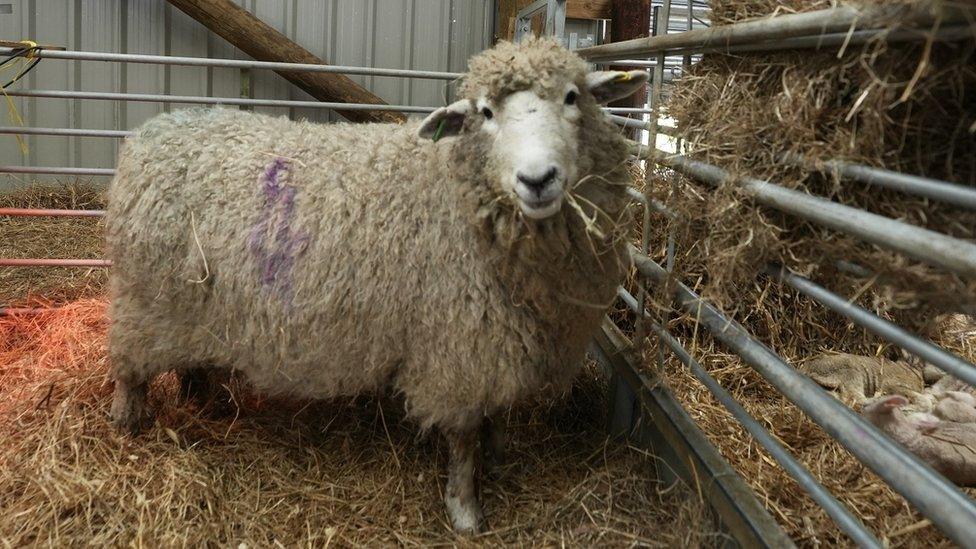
x=326 y=260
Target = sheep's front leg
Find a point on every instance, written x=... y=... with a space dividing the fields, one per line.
x=460 y=496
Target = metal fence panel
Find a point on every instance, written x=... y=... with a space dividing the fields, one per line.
x=411 y=34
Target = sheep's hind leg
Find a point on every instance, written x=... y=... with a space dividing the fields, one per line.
x=460 y=496
x=493 y=444
x=129 y=404
x=195 y=385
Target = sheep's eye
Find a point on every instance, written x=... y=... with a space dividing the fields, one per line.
x=571 y=98
x=487 y=113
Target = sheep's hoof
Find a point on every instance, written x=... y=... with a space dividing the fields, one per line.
x=467 y=518
x=129 y=407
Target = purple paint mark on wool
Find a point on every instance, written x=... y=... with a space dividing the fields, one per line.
x=273 y=241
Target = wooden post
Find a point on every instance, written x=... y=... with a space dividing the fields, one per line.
x=631 y=19
x=262 y=42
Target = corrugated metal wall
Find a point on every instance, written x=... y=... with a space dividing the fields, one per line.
x=414 y=34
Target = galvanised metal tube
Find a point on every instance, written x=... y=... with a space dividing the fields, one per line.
x=656 y=205
x=28 y=212
x=56 y=171
x=834 y=40
x=200 y=100
x=628 y=122
x=835 y=509
x=69 y=132
x=943 y=191
x=934 y=496
x=827 y=21
x=235 y=64
x=937 y=249
x=238 y=101
x=927 y=351
x=55 y=263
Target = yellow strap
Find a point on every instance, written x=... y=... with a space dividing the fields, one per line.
x=15 y=117
x=30 y=46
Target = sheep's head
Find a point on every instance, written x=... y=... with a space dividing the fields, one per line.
x=527 y=107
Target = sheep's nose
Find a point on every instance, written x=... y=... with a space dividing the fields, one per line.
x=537 y=183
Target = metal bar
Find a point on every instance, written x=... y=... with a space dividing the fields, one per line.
x=937 y=249
x=635 y=123
x=69 y=132
x=55 y=263
x=695 y=459
x=236 y=64
x=820 y=42
x=926 y=350
x=199 y=100
x=934 y=496
x=237 y=101
x=641 y=63
x=659 y=28
x=656 y=205
x=56 y=171
x=942 y=191
x=21 y=212
x=831 y=20
x=847 y=522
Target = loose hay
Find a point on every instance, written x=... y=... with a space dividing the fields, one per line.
x=279 y=473
x=742 y=112
x=43 y=237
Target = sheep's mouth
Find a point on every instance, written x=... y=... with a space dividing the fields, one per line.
x=540 y=208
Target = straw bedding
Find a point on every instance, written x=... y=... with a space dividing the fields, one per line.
x=867 y=105
x=249 y=470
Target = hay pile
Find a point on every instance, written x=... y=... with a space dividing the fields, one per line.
x=261 y=472
x=741 y=112
x=905 y=107
x=42 y=237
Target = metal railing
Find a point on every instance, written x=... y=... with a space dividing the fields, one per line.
x=944 y=504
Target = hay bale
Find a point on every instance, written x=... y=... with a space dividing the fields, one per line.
x=274 y=472
x=905 y=107
x=40 y=237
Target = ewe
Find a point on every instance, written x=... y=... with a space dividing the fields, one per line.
x=463 y=262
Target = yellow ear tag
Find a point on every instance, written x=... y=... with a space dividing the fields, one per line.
x=623 y=77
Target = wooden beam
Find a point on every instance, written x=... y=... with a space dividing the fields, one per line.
x=262 y=42
x=631 y=19
x=575 y=9
x=590 y=9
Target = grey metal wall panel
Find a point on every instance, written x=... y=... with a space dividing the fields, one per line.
x=415 y=34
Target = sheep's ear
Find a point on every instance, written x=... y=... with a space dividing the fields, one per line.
x=607 y=86
x=894 y=401
x=445 y=121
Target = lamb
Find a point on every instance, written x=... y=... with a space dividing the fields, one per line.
x=856 y=378
x=462 y=262
x=949 y=447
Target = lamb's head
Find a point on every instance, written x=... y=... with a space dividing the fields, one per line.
x=526 y=109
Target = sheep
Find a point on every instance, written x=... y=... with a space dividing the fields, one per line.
x=462 y=261
x=949 y=447
x=856 y=378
